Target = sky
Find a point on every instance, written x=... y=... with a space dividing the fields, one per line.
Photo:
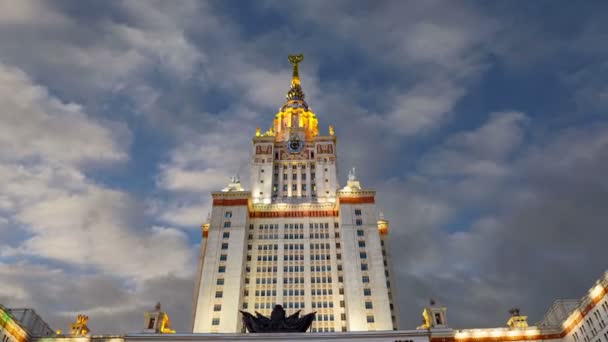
x=482 y=125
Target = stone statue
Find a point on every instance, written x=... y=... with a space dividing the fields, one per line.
x=278 y=322
x=352 y=174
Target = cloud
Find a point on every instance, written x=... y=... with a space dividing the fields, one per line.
x=37 y=125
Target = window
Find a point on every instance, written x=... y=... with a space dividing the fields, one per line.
x=312 y=176
x=359 y=222
x=217 y=307
x=225 y=235
x=363 y=267
x=220 y=281
x=285 y=176
x=367 y=292
x=294 y=187
x=221 y=269
x=438 y=318
x=284 y=187
x=228 y=214
x=294 y=176
x=369 y=305
x=360 y=233
x=358 y=212
x=150 y=324
x=223 y=257
x=219 y=294
x=303 y=176
x=215 y=321
x=363 y=255
x=227 y=224
x=361 y=243
x=224 y=246
x=303 y=187
x=365 y=279
x=370 y=319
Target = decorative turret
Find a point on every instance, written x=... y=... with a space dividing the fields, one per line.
x=434 y=317
x=80 y=328
x=517 y=321
x=382 y=225
x=157 y=322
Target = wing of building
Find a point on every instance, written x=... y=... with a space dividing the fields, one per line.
x=296 y=238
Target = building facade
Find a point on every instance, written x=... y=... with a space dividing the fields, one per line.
x=297 y=238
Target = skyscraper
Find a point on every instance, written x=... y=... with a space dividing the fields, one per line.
x=297 y=238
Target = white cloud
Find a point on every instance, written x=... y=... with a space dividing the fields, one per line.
x=37 y=125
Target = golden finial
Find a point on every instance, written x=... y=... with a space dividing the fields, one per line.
x=295 y=60
x=331 y=130
x=295 y=92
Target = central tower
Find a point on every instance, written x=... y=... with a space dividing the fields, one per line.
x=291 y=162
x=296 y=238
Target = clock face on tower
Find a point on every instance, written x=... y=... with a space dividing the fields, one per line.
x=294 y=145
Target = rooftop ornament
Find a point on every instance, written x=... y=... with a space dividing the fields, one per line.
x=278 y=321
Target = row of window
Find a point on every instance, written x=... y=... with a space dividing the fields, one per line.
x=266 y=257
x=319 y=305
x=264 y=281
x=266 y=247
x=293 y=292
x=293 y=269
x=294 y=166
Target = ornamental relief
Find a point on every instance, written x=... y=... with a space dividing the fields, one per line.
x=325 y=148
x=263 y=149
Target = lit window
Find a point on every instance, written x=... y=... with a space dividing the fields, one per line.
x=228 y=214
x=215 y=321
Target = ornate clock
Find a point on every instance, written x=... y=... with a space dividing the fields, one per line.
x=294 y=145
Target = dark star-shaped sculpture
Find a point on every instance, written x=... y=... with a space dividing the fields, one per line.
x=278 y=322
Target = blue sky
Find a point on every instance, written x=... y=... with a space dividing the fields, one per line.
x=481 y=124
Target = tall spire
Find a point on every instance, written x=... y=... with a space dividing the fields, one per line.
x=295 y=91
